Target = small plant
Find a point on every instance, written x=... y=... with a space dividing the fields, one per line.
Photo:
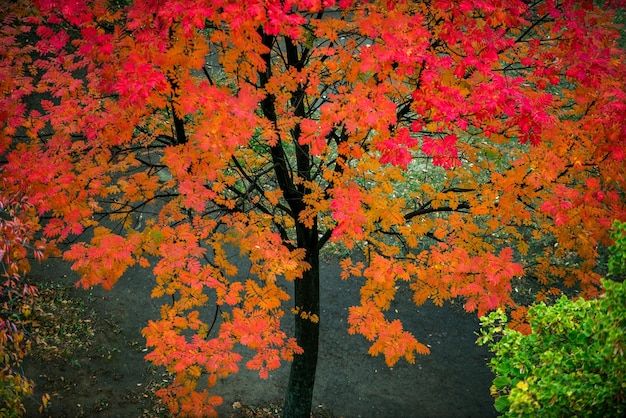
x=18 y=225
x=572 y=363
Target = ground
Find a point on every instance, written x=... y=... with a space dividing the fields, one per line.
x=105 y=374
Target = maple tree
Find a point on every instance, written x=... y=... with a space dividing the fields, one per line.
x=452 y=146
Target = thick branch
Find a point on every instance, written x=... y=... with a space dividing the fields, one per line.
x=279 y=158
x=429 y=209
x=179 y=124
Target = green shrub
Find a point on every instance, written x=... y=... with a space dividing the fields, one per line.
x=572 y=364
x=617 y=258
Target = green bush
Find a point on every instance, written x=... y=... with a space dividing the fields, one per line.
x=572 y=364
x=617 y=258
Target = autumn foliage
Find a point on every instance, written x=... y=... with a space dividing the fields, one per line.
x=452 y=146
x=18 y=226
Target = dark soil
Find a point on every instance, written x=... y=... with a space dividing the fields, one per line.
x=108 y=377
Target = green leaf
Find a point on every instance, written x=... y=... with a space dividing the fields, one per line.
x=502 y=404
x=156 y=235
x=501 y=381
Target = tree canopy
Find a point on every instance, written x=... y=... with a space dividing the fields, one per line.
x=452 y=146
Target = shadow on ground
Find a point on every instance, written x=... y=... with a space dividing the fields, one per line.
x=111 y=379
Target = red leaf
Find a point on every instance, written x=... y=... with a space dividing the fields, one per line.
x=443 y=151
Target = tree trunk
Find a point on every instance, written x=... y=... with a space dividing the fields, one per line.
x=299 y=396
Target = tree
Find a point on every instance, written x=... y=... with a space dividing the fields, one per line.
x=452 y=146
